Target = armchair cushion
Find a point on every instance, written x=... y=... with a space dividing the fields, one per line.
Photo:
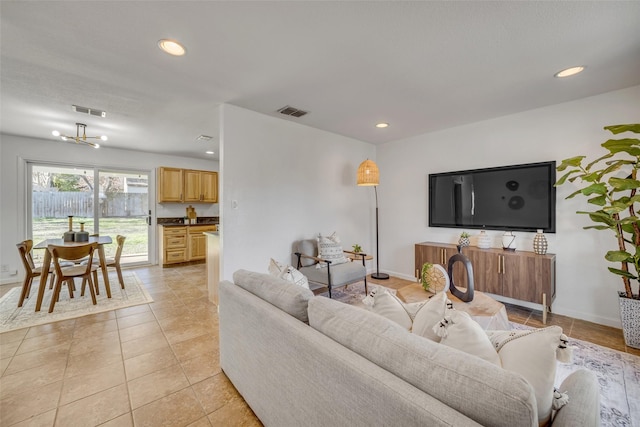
x=330 y=249
x=342 y=274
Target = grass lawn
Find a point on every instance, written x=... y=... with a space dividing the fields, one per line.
x=134 y=229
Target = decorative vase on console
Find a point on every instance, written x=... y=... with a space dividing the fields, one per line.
x=509 y=241
x=540 y=244
x=484 y=240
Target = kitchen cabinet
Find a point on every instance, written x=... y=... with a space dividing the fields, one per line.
x=170 y=184
x=187 y=186
x=200 y=186
x=521 y=275
x=180 y=244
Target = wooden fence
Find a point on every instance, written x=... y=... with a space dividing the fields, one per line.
x=63 y=204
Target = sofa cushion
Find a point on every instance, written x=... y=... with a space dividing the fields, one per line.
x=472 y=386
x=288 y=297
x=532 y=354
x=287 y=273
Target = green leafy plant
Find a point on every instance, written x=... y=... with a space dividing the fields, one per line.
x=356 y=248
x=611 y=185
x=464 y=234
x=424 y=275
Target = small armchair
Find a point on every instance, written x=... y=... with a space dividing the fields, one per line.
x=331 y=276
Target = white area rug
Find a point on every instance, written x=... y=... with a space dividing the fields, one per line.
x=12 y=317
x=618 y=373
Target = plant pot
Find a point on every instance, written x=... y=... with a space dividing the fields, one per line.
x=630 y=317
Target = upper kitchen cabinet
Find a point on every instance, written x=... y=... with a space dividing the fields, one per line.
x=187 y=186
x=200 y=186
x=170 y=185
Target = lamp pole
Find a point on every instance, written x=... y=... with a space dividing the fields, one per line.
x=377 y=274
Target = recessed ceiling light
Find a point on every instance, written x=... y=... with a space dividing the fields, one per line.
x=172 y=47
x=569 y=71
x=382 y=125
x=209 y=152
x=55 y=133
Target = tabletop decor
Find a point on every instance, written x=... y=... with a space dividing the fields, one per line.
x=464 y=239
x=540 y=243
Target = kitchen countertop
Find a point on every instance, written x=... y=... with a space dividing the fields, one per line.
x=175 y=222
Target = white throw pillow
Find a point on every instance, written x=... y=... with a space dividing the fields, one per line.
x=459 y=330
x=384 y=303
x=330 y=249
x=288 y=273
x=532 y=354
x=429 y=315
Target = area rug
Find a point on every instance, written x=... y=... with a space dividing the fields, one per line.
x=618 y=373
x=12 y=317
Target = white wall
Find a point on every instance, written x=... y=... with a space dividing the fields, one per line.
x=15 y=151
x=585 y=288
x=290 y=182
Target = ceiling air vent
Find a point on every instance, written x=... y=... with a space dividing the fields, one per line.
x=204 y=138
x=290 y=111
x=87 y=110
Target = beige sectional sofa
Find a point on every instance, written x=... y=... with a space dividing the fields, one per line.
x=299 y=359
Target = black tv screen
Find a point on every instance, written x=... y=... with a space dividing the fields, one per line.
x=519 y=198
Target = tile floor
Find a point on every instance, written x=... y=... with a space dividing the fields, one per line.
x=154 y=364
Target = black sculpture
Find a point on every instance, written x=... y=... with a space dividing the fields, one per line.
x=459 y=257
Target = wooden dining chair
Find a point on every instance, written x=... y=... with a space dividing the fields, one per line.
x=110 y=262
x=31 y=270
x=67 y=274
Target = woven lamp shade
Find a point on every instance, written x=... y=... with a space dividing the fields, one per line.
x=368 y=173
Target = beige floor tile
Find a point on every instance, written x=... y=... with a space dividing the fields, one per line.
x=202 y=367
x=143 y=345
x=85 y=363
x=95 y=328
x=43 y=420
x=202 y=422
x=13 y=336
x=178 y=409
x=26 y=380
x=197 y=346
x=95 y=409
x=83 y=321
x=9 y=349
x=44 y=341
x=35 y=401
x=128 y=311
x=186 y=332
x=50 y=328
x=22 y=362
x=147 y=363
x=156 y=385
x=215 y=392
x=124 y=420
x=108 y=342
x=139 y=331
x=101 y=378
x=170 y=311
x=3 y=365
x=235 y=413
x=135 y=319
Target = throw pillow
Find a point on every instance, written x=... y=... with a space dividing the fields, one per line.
x=532 y=354
x=429 y=316
x=330 y=249
x=385 y=304
x=458 y=330
x=288 y=273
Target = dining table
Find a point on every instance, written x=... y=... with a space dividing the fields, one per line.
x=46 y=262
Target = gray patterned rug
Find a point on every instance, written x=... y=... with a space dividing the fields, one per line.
x=618 y=373
x=12 y=317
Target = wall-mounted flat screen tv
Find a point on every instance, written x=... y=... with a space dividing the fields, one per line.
x=519 y=198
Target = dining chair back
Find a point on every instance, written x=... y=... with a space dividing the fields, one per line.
x=31 y=270
x=67 y=274
x=112 y=262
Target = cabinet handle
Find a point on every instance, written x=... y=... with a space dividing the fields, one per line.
x=499 y=261
x=503 y=268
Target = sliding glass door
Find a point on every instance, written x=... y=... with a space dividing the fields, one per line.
x=103 y=202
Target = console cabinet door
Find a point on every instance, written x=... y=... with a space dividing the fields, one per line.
x=487 y=275
x=527 y=276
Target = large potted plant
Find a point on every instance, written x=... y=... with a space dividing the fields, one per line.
x=611 y=186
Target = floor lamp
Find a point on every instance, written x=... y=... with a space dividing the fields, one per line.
x=369 y=175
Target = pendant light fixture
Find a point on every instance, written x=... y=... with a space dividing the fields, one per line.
x=81 y=138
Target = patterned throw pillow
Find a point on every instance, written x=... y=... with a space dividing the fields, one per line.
x=330 y=249
x=288 y=273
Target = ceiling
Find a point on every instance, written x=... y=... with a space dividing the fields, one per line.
x=420 y=66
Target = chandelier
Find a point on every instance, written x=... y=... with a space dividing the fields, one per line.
x=81 y=138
